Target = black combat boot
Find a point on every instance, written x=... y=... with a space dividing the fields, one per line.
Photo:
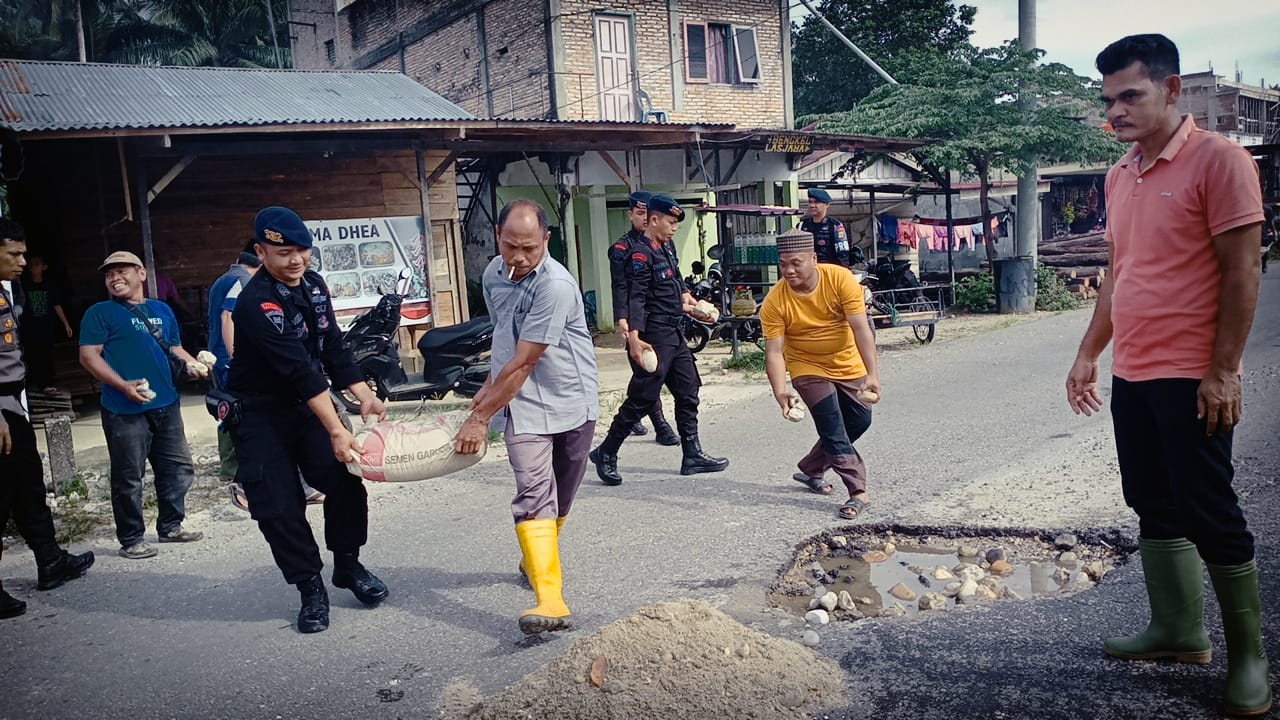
x=662 y=432
x=696 y=461
x=10 y=606
x=639 y=429
x=64 y=567
x=314 y=615
x=606 y=456
x=349 y=574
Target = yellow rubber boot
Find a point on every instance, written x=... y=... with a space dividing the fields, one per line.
x=539 y=543
x=524 y=574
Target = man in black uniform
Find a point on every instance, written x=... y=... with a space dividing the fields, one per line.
x=655 y=301
x=619 y=274
x=21 y=473
x=287 y=341
x=830 y=240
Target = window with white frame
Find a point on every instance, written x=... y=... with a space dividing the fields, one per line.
x=720 y=53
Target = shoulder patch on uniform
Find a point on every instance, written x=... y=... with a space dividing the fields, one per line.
x=640 y=257
x=274 y=313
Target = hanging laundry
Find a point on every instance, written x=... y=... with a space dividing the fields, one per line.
x=942 y=237
x=907 y=234
x=889 y=228
x=976 y=229
x=964 y=236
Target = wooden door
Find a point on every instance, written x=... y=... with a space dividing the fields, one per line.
x=613 y=68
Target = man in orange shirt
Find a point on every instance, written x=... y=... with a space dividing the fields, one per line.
x=815 y=327
x=1179 y=197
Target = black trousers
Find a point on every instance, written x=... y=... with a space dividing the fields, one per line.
x=22 y=491
x=37 y=353
x=1176 y=478
x=676 y=370
x=273 y=446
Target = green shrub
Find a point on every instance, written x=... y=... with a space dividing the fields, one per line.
x=1051 y=292
x=750 y=361
x=976 y=293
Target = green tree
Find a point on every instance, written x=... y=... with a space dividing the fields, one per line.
x=221 y=33
x=970 y=110
x=828 y=77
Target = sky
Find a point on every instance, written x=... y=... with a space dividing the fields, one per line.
x=1219 y=33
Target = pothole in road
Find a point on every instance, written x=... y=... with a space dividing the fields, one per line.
x=854 y=575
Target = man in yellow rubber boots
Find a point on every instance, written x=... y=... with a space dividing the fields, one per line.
x=545 y=377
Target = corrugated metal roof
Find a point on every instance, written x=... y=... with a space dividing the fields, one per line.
x=49 y=96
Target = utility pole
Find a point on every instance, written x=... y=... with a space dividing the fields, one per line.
x=275 y=38
x=1028 y=219
x=80 y=30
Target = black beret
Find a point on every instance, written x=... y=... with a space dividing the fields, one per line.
x=820 y=195
x=666 y=206
x=640 y=197
x=281 y=226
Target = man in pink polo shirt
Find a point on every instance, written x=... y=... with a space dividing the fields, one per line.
x=1184 y=221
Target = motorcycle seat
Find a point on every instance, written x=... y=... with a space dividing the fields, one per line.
x=437 y=338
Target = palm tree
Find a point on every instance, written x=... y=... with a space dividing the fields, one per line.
x=222 y=33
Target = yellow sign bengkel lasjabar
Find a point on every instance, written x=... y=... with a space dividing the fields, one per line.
x=794 y=144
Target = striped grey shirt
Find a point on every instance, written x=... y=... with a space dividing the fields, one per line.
x=544 y=307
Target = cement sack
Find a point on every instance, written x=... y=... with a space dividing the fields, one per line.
x=412 y=449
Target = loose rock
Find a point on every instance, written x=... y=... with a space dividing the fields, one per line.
x=894 y=610
x=941 y=573
x=1065 y=541
x=874 y=556
x=828 y=601
x=1068 y=558
x=1001 y=567
x=890 y=548
x=952 y=589
x=1095 y=570
x=967 y=551
x=810 y=639
x=933 y=601
x=967 y=590
x=902 y=592
x=838 y=541
x=817 y=617
x=985 y=593
x=1008 y=593
x=845 y=601
x=996 y=554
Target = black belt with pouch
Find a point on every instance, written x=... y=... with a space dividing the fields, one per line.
x=12 y=389
x=223 y=406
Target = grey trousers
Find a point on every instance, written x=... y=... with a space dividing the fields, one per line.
x=548 y=470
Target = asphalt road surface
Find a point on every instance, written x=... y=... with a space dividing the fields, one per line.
x=973 y=432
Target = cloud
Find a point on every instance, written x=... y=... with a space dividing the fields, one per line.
x=1073 y=33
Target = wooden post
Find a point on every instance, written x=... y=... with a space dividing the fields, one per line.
x=144 y=219
x=424 y=191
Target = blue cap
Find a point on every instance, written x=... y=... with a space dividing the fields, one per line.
x=666 y=206
x=280 y=226
x=819 y=195
x=640 y=197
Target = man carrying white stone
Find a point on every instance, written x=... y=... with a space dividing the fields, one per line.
x=815 y=328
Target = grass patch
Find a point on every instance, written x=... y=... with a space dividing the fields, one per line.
x=750 y=362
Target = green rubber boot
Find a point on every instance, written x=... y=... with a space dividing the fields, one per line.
x=1248 y=690
x=1175 y=591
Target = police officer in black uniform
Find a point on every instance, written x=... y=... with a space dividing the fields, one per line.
x=619 y=274
x=656 y=299
x=287 y=342
x=21 y=472
x=830 y=240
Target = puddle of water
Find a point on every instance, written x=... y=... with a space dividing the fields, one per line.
x=915 y=567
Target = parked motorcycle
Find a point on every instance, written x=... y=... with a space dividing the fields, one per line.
x=711 y=288
x=455 y=358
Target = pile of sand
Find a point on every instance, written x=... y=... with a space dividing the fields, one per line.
x=675 y=660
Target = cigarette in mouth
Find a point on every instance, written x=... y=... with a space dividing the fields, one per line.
x=511 y=272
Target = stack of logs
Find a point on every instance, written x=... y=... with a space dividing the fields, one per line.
x=1080 y=260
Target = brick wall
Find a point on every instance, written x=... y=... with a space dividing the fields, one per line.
x=748 y=105
x=516 y=33
x=447 y=61
x=308 y=41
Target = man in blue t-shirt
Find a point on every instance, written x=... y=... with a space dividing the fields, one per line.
x=222 y=300
x=141 y=416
